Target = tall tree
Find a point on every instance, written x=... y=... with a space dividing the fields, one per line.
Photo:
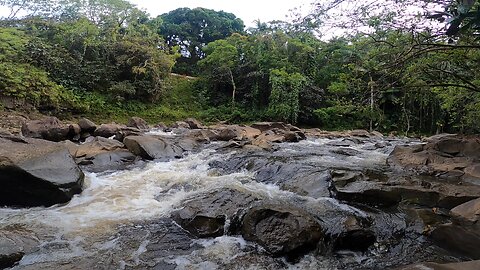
x=192 y=29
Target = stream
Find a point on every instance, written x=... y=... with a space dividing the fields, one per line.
x=122 y=219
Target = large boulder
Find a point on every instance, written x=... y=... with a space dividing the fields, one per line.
x=150 y=147
x=36 y=172
x=101 y=154
x=87 y=125
x=205 y=215
x=49 y=128
x=282 y=230
x=138 y=123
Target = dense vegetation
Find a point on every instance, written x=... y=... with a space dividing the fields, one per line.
x=398 y=66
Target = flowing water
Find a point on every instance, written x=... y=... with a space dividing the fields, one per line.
x=121 y=219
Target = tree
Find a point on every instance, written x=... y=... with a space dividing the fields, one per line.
x=222 y=58
x=192 y=29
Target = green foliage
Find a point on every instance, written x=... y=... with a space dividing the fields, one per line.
x=284 y=97
x=191 y=29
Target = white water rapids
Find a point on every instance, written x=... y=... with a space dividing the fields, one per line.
x=148 y=191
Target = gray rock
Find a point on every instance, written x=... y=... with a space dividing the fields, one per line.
x=149 y=147
x=37 y=172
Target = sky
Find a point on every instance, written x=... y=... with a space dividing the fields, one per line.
x=247 y=10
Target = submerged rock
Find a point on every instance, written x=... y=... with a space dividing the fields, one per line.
x=36 y=172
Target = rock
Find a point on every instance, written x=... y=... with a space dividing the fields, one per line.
x=101 y=154
x=265 y=126
x=74 y=132
x=111 y=160
x=149 y=147
x=271 y=137
x=94 y=146
x=301 y=179
x=261 y=144
x=469 y=211
x=229 y=133
x=203 y=135
x=107 y=130
x=49 y=128
x=86 y=125
x=161 y=126
x=460 y=239
x=346 y=151
x=181 y=124
x=194 y=123
x=138 y=123
x=35 y=172
x=14 y=244
x=451 y=157
x=282 y=230
x=205 y=214
x=425 y=194
x=360 y=133
x=469 y=265
x=116 y=131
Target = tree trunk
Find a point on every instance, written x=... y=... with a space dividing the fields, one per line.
x=371 y=102
x=233 y=85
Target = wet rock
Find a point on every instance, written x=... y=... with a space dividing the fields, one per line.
x=424 y=193
x=301 y=179
x=345 y=151
x=206 y=214
x=341 y=178
x=230 y=133
x=149 y=147
x=36 y=172
x=469 y=265
x=447 y=156
x=138 y=123
x=469 y=211
x=282 y=230
x=87 y=125
x=194 y=123
x=14 y=244
x=49 y=128
x=112 y=160
x=101 y=154
x=463 y=240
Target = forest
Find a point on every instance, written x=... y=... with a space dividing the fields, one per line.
x=409 y=67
